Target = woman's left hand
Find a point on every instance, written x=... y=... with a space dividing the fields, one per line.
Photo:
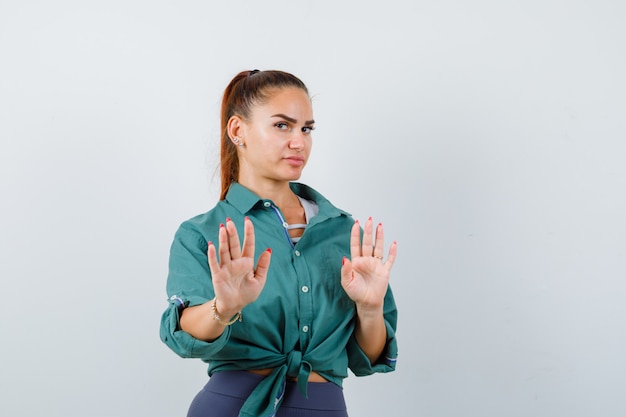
x=366 y=276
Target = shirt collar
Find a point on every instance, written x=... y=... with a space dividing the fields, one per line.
x=241 y=198
x=244 y=199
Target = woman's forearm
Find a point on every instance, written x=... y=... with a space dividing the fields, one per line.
x=199 y=321
x=371 y=333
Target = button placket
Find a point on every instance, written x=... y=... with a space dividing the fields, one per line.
x=304 y=298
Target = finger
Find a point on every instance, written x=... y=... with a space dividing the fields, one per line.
x=248 y=238
x=214 y=266
x=233 y=239
x=355 y=240
x=379 y=246
x=263 y=265
x=367 y=239
x=223 y=245
x=346 y=272
x=391 y=258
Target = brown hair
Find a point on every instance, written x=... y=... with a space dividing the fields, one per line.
x=247 y=89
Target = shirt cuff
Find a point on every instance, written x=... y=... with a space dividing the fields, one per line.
x=360 y=364
x=181 y=342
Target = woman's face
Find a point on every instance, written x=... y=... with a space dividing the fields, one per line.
x=277 y=136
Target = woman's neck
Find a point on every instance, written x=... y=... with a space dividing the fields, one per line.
x=279 y=192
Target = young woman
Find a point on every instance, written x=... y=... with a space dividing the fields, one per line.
x=277 y=289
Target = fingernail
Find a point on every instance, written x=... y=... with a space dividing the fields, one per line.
x=369 y=218
x=221 y=225
x=209 y=243
x=343 y=261
x=247 y=218
x=357 y=221
x=269 y=250
x=380 y=224
x=227 y=219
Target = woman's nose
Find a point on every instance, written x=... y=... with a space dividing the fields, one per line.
x=297 y=141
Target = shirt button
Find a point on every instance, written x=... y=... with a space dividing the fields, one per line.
x=267 y=204
x=297 y=253
x=305 y=329
x=285 y=225
x=305 y=289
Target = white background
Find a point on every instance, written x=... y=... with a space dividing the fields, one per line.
x=488 y=137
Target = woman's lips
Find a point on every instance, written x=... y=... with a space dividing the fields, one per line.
x=295 y=161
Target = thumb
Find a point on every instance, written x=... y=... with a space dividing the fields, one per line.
x=346 y=271
x=263 y=264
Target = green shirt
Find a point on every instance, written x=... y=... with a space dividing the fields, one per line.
x=303 y=320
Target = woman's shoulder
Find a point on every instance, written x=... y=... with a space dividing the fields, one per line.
x=201 y=223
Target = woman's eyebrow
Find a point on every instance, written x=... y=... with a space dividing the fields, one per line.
x=292 y=120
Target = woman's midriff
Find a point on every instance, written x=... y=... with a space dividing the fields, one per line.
x=313 y=376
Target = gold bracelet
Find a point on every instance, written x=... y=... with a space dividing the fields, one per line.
x=217 y=317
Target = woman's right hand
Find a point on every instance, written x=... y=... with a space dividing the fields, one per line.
x=235 y=280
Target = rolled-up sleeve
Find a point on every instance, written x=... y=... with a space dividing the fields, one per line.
x=188 y=284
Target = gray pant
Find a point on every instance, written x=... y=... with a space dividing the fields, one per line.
x=225 y=393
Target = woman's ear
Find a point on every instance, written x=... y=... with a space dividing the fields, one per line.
x=235 y=129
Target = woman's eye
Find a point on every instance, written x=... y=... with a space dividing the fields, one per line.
x=282 y=125
x=308 y=129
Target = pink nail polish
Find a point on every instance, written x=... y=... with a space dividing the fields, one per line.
x=221 y=225
x=227 y=219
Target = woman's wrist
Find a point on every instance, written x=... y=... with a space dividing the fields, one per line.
x=224 y=316
x=369 y=311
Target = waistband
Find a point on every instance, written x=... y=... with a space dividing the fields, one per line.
x=321 y=395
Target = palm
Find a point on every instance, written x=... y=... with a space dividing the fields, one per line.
x=365 y=277
x=235 y=280
x=232 y=282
